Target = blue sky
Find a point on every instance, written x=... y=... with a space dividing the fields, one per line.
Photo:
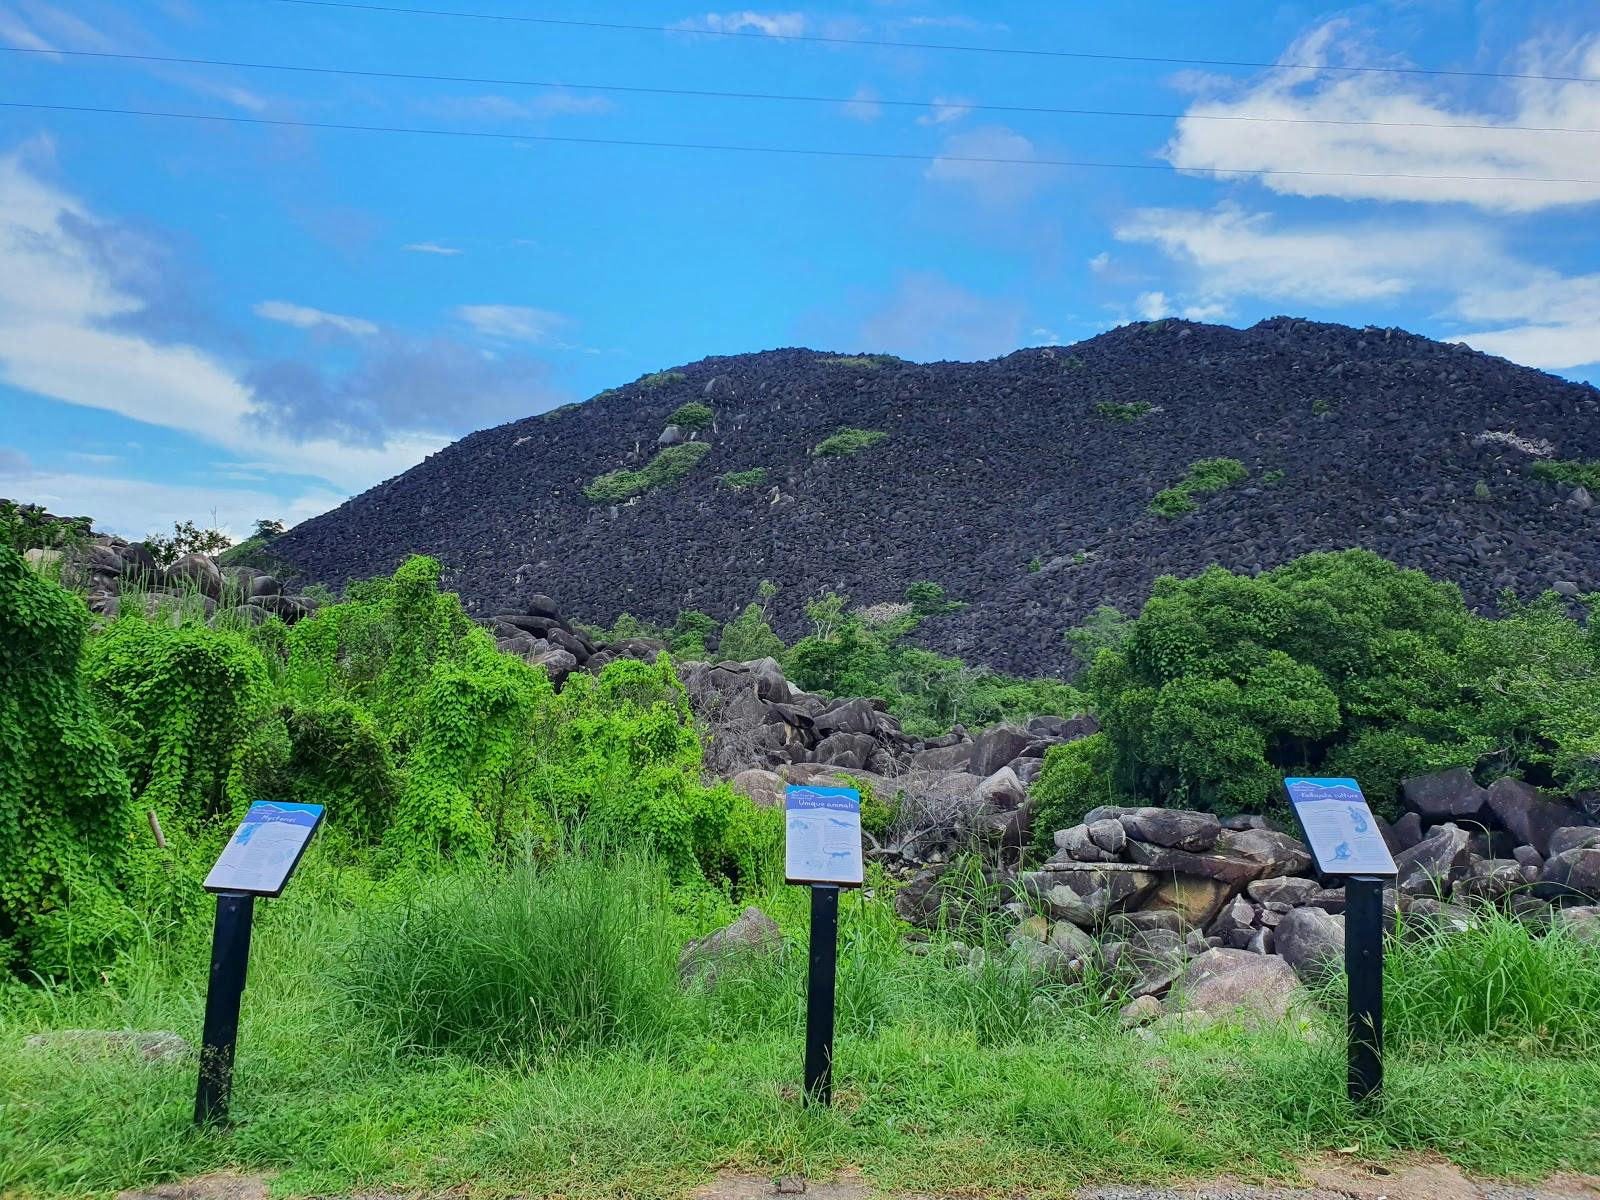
x=259 y=320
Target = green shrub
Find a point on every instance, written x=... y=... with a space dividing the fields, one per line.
x=669 y=465
x=522 y=965
x=1272 y=477
x=66 y=817
x=740 y=480
x=848 y=442
x=866 y=361
x=1035 y=565
x=691 y=634
x=748 y=636
x=1204 y=475
x=28 y=527
x=1125 y=414
x=658 y=379
x=693 y=416
x=927 y=599
x=1076 y=778
x=1574 y=471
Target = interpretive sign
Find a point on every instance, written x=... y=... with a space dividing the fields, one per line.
x=257 y=861
x=1346 y=841
x=822 y=841
x=264 y=851
x=1340 y=828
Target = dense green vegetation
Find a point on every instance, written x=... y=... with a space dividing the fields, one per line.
x=669 y=465
x=1204 y=475
x=474 y=977
x=692 y=416
x=658 y=379
x=1334 y=663
x=740 y=480
x=868 y=361
x=28 y=528
x=1585 y=474
x=847 y=442
x=1124 y=414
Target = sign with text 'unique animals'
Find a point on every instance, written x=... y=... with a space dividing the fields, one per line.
x=264 y=851
x=822 y=842
x=1340 y=828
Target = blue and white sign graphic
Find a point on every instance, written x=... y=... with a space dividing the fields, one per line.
x=265 y=849
x=1340 y=828
x=822 y=842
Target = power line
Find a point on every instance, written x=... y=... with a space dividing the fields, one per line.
x=834 y=40
x=803 y=151
x=490 y=81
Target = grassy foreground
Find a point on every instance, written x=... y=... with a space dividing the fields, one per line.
x=949 y=1081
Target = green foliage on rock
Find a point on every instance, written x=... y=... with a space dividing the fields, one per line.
x=28 y=527
x=66 y=817
x=693 y=416
x=669 y=465
x=749 y=636
x=1204 y=475
x=740 y=480
x=658 y=379
x=927 y=599
x=847 y=442
x=1575 y=471
x=1076 y=778
x=1125 y=414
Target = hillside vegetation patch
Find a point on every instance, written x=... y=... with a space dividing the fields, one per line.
x=1205 y=475
x=741 y=480
x=848 y=442
x=1584 y=474
x=658 y=379
x=668 y=466
x=692 y=416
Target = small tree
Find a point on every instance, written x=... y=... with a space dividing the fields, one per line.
x=187 y=538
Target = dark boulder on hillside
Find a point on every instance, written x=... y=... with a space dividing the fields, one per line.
x=1022 y=485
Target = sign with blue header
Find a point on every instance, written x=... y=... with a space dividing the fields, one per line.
x=1340 y=828
x=822 y=842
x=264 y=851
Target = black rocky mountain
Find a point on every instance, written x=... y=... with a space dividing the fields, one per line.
x=1410 y=447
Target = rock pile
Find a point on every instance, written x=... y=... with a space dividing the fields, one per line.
x=1078 y=438
x=114 y=572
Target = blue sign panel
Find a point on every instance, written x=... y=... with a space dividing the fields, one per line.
x=822 y=835
x=1340 y=828
x=264 y=851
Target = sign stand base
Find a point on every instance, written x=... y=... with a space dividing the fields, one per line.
x=1363 y=965
x=230 y=956
x=819 y=994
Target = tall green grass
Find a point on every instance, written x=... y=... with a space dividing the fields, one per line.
x=523 y=964
x=1498 y=980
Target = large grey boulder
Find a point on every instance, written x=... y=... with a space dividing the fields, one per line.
x=849 y=716
x=1571 y=874
x=1283 y=889
x=1218 y=864
x=995 y=748
x=1176 y=828
x=1278 y=853
x=1527 y=814
x=1434 y=863
x=1312 y=942
x=195 y=571
x=1489 y=879
x=1444 y=795
x=1239 y=985
x=1574 y=837
x=1086 y=895
x=844 y=749
x=753 y=933
x=764 y=788
x=943 y=758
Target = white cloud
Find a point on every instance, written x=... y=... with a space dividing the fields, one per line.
x=1537 y=316
x=970 y=160
x=513 y=321
x=135 y=508
x=774 y=24
x=1382 y=162
x=1235 y=252
x=1558 y=319
x=64 y=315
x=302 y=317
x=1100 y=262
x=431 y=248
x=863 y=106
x=94 y=458
x=945 y=111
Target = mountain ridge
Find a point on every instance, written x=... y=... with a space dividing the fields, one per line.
x=1022 y=484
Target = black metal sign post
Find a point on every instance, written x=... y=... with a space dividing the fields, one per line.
x=230 y=958
x=1348 y=844
x=820 y=993
x=1363 y=967
x=257 y=861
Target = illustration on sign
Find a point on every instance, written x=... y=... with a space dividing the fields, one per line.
x=1341 y=829
x=822 y=830
x=265 y=849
